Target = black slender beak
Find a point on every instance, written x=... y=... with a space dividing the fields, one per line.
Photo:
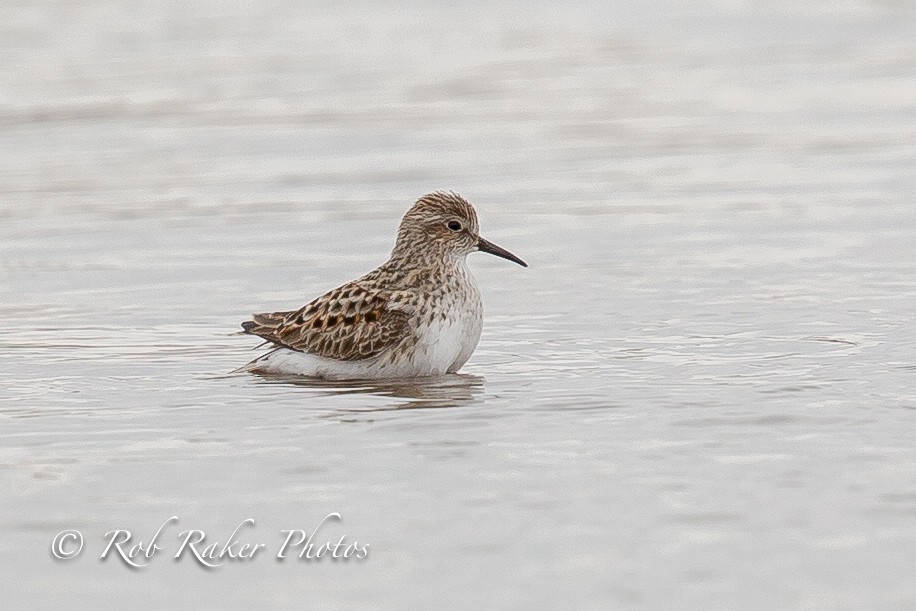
x=493 y=249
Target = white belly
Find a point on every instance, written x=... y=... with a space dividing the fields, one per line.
x=447 y=345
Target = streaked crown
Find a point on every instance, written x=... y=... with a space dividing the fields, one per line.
x=443 y=206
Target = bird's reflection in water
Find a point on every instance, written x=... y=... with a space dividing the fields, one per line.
x=451 y=390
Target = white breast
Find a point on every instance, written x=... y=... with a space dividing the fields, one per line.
x=445 y=345
x=447 y=340
x=463 y=326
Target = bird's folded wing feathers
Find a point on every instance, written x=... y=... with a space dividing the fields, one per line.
x=347 y=324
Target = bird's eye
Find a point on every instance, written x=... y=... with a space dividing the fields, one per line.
x=454 y=225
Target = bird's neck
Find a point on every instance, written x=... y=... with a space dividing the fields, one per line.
x=433 y=270
x=430 y=260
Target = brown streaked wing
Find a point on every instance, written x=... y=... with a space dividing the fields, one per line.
x=349 y=323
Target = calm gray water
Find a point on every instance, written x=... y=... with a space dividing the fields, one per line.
x=699 y=395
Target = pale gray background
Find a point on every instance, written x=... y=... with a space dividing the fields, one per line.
x=699 y=395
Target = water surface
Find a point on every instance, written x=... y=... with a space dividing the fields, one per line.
x=699 y=395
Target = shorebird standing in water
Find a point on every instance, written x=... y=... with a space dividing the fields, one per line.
x=418 y=314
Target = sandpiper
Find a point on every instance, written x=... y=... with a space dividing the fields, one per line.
x=418 y=314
